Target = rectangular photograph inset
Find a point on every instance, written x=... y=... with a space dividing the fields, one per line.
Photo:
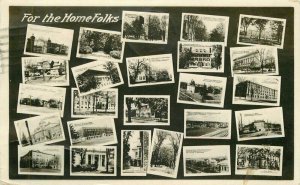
x=45 y=71
x=99 y=104
x=41 y=160
x=204 y=28
x=44 y=129
x=256 y=90
x=135 y=151
x=201 y=90
x=200 y=57
x=96 y=76
x=93 y=160
x=254 y=60
x=39 y=100
x=100 y=44
x=258 y=30
x=259 y=123
x=207 y=124
x=92 y=131
x=213 y=160
x=146 y=110
x=150 y=70
x=145 y=27
x=165 y=153
x=48 y=41
x=259 y=160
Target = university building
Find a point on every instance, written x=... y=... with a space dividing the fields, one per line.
x=201 y=56
x=259 y=126
x=38 y=159
x=46 y=68
x=88 y=133
x=255 y=92
x=209 y=165
x=102 y=78
x=46 y=131
x=245 y=62
x=150 y=73
x=42 y=46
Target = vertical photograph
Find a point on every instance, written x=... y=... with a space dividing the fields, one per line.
x=204 y=28
x=146 y=110
x=48 y=41
x=256 y=90
x=135 y=151
x=99 y=104
x=200 y=57
x=165 y=153
x=92 y=131
x=45 y=71
x=100 y=44
x=213 y=160
x=254 y=60
x=41 y=160
x=32 y=99
x=150 y=70
x=96 y=76
x=207 y=124
x=259 y=160
x=145 y=27
x=201 y=90
x=45 y=129
x=93 y=161
x=259 y=123
x=258 y=30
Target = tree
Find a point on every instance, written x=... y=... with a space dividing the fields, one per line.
x=261 y=58
x=137 y=26
x=135 y=69
x=163 y=75
x=217 y=50
x=175 y=142
x=129 y=102
x=203 y=92
x=194 y=29
x=217 y=34
x=185 y=57
x=154 y=28
x=193 y=82
x=74 y=133
x=86 y=82
x=260 y=24
x=277 y=28
x=82 y=154
x=163 y=26
x=113 y=72
x=160 y=137
x=245 y=23
x=126 y=148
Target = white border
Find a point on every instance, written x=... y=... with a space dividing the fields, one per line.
x=92 y=116
x=276 y=110
x=151 y=83
x=146 y=41
x=149 y=141
x=94 y=147
x=201 y=70
x=261 y=17
x=98 y=122
x=253 y=172
x=212 y=147
x=57 y=147
x=225 y=112
x=78 y=55
x=177 y=157
x=49 y=83
x=63 y=30
x=226 y=25
x=151 y=123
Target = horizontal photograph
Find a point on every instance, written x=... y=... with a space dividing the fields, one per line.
x=150 y=70
x=93 y=161
x=44 y=129
x=259 y=123
x=48 y=41
x=258 y=30
x=146 y=110
x=256 y=90
x=145 y=27
x=99 y=104
x=210 y=160
x=259 y=160
x=204 y=28
x=201 y=90
x=45 y=71
x=165 y=153
x=200 y=57
x=135 y=151
x=92 y=131
x=33 y=99
x=207 y=124
x=96 y=76
x=100 y=44
x=41 y=160
x=254 y=60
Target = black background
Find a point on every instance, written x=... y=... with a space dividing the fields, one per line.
x=286 y=71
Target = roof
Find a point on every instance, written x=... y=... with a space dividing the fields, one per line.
x=91 y=72
x=246 y=55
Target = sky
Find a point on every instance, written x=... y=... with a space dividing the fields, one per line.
x=47 y=149
x=203 y=152
x=209 y=116
x=273 y=115
x=267 y=81
x=39 y=92
x=101 y=122
x=201 y=79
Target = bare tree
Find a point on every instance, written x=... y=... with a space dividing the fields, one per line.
x=160 y=137
x=261 y=58
x=135 y=69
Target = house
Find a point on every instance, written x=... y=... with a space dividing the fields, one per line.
x=88 y=133
x=46 y=131
x=201 y=56
x=103 y=78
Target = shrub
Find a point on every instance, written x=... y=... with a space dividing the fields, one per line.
x=115 y=54
x=85 y=50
